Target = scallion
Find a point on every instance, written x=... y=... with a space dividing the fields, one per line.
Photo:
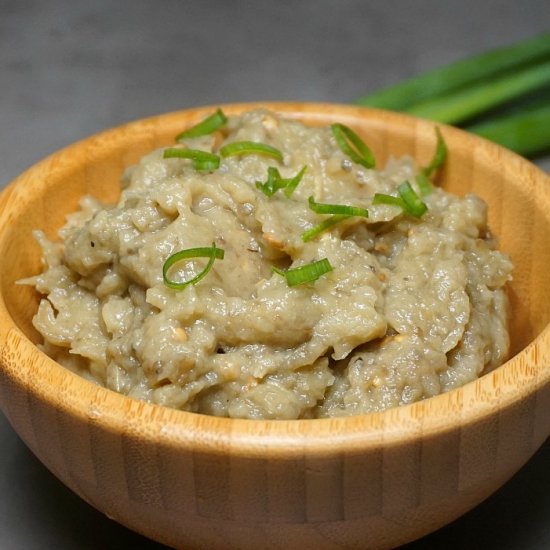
x=202 y=160
x=413 y=205
x=306 y=273
x=275 y=182
x=322 y=227
x=460 y=74
x=382 y=198
x=424 y=184
x=439 y=156
x=480 y=94
x=422 y=178
x=341 y=209
x=408 y=200
x=352 y=145
x=250 y=148
x=526 y=132
x=211 y=252
x=464 y=104
x=210 y=124
x=293 y=182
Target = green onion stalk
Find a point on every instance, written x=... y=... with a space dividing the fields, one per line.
x=502 y=95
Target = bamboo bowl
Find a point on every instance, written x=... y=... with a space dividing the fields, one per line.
x=193 y=481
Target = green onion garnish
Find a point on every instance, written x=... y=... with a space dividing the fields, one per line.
x=424 y=183
x=382 y=198
x=439 y=156
x=413 y=205
x=408 y=200
x=202 y=160
x=292 y=183
x=352 y=145
x=422 y=178
x=275 y=182
x=207 y=126
x=322 y=227
x=250 y=148
x=340 y=212
x=306 y=273
x=211 y=252
x=341 y=209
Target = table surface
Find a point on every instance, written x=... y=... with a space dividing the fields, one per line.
x=72 y=68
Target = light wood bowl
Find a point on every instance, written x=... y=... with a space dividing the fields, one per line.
x=193 y=481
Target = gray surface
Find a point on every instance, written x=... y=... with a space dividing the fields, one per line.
x=69 y=69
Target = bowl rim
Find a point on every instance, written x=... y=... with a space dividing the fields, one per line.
x=500 y=389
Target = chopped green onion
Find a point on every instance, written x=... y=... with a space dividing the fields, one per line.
x=408 y=200
x=352 y=145
x=322 y=227
x=305 y=274
x=439 y=156
x=292 y=183
x=382 y=198
x=422 y=178
x=211 y=252
x=202 y=160
x=341 y=209
x=275 y=182
x=250 y=148
x=207 y=126
x=424 y=183
x=413 y=205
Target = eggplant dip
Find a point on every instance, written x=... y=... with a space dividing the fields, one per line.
x=264 y=269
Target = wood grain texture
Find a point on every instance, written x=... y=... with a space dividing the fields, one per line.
x=192 y=481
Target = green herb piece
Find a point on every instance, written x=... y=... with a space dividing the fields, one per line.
x=460 y=74
x=422 y=178
x=413 y=205
x=322 y=227
x=202 y=160
x=275 y=182
x=352 y=145
x=207 y=126
x=408 y=200
x=211 y=252
x=293 y=182
x=382 y=198
x=306 y=273
x=341 y=209
x=250 y=148
x=439 y=156
x=424 y=184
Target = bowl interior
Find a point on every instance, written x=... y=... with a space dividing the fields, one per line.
x=518 y=195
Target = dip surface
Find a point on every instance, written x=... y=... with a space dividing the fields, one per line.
x=412 y=307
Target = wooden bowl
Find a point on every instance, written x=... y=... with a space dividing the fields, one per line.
x=189 y=480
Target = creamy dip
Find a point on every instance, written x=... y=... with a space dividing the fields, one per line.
x=412 y=307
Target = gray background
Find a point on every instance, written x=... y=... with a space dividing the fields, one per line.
x=69 y=69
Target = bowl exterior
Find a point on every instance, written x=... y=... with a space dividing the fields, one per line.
x=187 y=480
